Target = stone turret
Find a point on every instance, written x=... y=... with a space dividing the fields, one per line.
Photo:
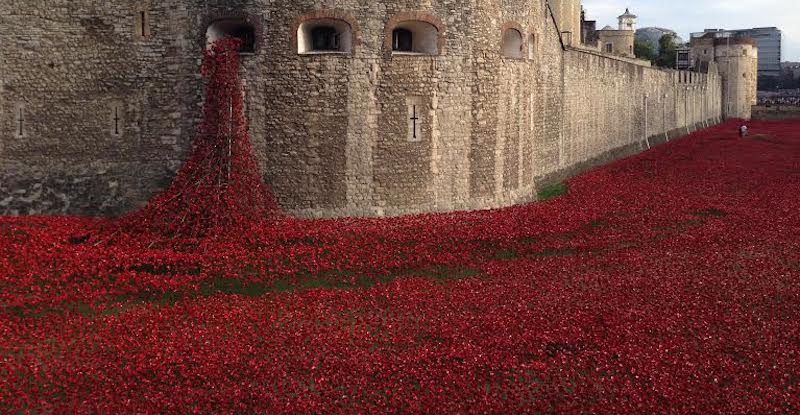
x=619 y=42
x=736 y=59
x=627 y=21
x=567 y=14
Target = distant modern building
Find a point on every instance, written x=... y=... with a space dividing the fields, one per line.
x=652 y=35
x=769 y=41
x=791 y=70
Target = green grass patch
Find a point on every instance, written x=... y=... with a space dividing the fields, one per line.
x=445 y=273
x=761 y=137
x=711 y=212
x=553 y=191
x=597 y=223
x=554 y=252
x=244 y=287
x=510 y=255
x=505 y=254
x=341 y=280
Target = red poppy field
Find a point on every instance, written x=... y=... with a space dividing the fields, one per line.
x=665 y=282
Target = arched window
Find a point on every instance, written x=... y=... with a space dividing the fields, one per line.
x=415 y=37
x=233 y=28
x=512 y=43
x=324 y=36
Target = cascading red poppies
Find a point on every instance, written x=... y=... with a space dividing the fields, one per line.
x=666 y=282
x=219 y=190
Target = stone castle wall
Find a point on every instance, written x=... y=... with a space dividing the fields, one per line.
x=108 y=115
x=613 y=107
x=66 y=69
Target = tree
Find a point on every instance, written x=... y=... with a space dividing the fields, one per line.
x=644 y=50
x=668 y=54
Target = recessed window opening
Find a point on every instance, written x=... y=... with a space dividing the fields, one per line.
x=415 y=37
x=531 y=46
x=324 y=36
x=402 y=40
x=233 y=28
x=21 y=117
x=20 y=121
x=142 y=23
x=116 y=120
x=512 y=43
x=609 y=48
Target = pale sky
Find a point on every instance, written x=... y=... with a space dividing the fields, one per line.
x=686 y=16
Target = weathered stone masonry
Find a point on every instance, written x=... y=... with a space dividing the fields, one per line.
x=95 y=118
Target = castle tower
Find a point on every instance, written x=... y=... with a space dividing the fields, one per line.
x=627 y=21
x=619 y=42
x=567 y=14
x=737 y=62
